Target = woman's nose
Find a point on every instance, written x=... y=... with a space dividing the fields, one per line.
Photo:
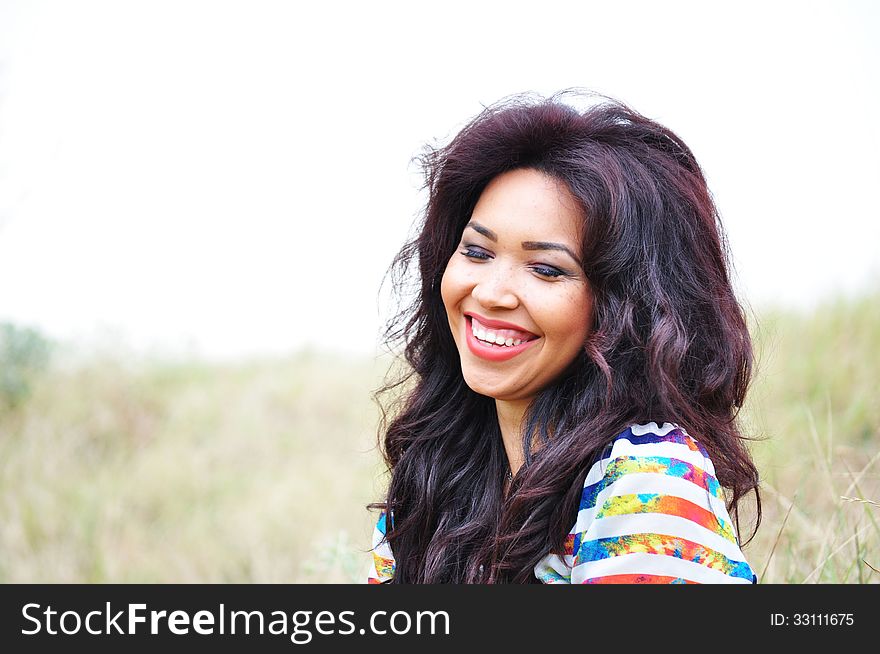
x=495 y=290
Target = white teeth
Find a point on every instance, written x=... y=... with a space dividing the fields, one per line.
x=493 y=338
x=489 y=337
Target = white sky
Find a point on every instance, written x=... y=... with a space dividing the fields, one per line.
x=233 y=178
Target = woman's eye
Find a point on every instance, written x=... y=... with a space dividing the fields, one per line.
x=548 y=271
x=473 y=252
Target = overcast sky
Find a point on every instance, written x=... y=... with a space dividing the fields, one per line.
x=233 y=178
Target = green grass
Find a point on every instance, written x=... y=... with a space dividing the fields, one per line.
x=150 y=471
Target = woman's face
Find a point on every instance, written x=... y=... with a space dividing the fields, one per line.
x=516 y=279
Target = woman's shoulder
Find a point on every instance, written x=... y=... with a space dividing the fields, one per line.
x=651 y=511
x=653 y=460
x=652 y=439
x=665 y=449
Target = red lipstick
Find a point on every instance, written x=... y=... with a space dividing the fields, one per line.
x=496 y=324
x=494 y=352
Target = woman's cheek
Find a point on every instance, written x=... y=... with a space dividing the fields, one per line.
x=447 y=284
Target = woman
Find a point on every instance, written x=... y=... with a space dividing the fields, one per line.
x=577 y=361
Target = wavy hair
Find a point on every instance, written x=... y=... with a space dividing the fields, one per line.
x=669 y=341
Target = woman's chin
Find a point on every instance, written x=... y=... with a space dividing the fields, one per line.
x=496 y=389
x=480 y=387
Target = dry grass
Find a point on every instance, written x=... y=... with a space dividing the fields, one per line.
x=191 y=473
x=816 y=405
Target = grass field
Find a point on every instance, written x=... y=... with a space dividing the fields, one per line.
x=118 y=470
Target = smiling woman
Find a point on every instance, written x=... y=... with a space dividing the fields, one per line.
x=517 y=260
x=577 y=359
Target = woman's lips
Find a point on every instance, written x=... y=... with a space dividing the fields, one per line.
x=497 y=324
x=496 y=352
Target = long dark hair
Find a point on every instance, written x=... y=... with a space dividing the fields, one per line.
x=669 y=341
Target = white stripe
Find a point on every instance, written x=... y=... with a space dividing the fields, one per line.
x=652 y=482
x=653 y=428
x=384 y=550
x=665 y=525
x=379 y=540
x=652 y=564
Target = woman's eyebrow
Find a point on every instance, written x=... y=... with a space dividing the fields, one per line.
x=485 y=231
x=547 y=245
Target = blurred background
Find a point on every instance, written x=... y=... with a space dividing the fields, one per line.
x=199 y=201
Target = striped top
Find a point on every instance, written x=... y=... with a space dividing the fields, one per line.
x=651 y=512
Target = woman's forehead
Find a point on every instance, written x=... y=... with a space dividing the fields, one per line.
x=527 y=205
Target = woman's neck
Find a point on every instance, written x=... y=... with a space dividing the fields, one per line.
x=510 y=420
